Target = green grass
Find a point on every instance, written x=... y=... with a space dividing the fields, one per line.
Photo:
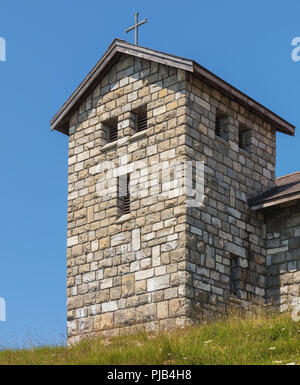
x=269 y=339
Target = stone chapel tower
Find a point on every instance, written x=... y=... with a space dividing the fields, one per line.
x=138 y=254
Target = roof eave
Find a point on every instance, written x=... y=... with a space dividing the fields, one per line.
x=243 y=99
x=108 y=59
x=60 y=121
x=275 y=202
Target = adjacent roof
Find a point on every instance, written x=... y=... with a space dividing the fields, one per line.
x=118 y=47
x=287 y=189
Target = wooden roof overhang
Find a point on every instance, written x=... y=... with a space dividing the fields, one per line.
x=60 y=121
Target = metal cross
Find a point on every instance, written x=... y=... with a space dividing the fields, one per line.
x=136 y=25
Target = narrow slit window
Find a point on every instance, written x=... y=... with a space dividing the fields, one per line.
x=112 y=130
x=245 y=139
x=124 y=194
x=127 y=197
x=234 y=282
x=194 y=176
x=220 y=126
x=141 y=119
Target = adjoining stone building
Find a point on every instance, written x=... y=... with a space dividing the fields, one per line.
x=281 y=208
x=139 y=253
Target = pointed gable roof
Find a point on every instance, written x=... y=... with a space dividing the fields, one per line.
x=60 y=121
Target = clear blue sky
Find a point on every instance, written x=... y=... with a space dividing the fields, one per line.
x=51 y=46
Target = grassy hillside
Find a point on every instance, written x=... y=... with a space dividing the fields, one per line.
x=270 y=339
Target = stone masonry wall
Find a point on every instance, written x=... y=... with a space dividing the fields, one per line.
x=163 y=265
x=126 y=270
x=224 y=227
x=283 y=256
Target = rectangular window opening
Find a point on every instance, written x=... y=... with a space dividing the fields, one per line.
x=220 y=125
x=123 y=191
x=194 y=175
x=141 y=119
x=234 y=282
x=245 y=138
x=112 y=126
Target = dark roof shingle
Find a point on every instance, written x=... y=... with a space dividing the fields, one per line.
x=287 y=188
x=60 y=121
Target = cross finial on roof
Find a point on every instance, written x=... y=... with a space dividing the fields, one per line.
x=136 y=25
